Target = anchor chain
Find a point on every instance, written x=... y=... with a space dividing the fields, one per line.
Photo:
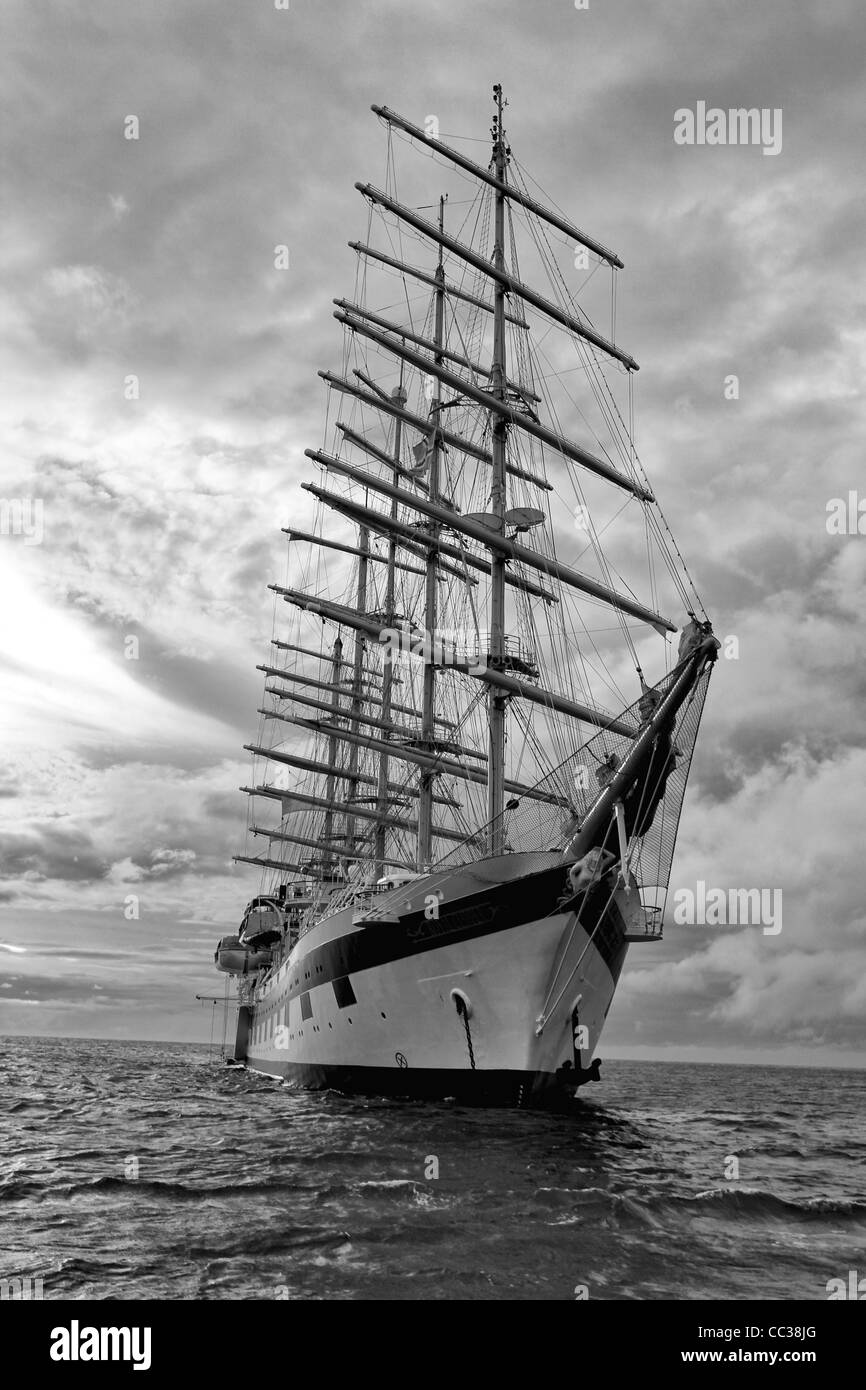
x=464 y=1014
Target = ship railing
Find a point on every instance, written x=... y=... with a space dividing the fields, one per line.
x=358 y=896
x=476 y=649
x=653 y=922
x=355 y=895
x=382 y=912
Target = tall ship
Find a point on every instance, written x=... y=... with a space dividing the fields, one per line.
x=478 y=717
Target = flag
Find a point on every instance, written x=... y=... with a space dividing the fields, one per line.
x=423 y=452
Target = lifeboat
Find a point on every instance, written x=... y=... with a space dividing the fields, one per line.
x=263 y=924
x=232 y=957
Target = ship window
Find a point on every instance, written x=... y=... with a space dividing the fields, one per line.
x=343 y=992
x=306 y=1006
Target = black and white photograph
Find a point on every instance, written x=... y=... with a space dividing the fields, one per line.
x=433 y=544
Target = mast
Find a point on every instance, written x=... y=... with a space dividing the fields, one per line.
x=428 y=730
x=357 y=703
x=399 y=397
x=328 y=828
x=496 y=699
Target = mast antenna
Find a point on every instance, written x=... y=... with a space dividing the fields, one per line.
x=497 y=130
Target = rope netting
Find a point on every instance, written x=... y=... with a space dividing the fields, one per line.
x=536 y=825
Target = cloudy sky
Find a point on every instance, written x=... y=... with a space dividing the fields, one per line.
x=158 y=517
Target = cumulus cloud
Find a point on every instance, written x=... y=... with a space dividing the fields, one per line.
x=50 y=851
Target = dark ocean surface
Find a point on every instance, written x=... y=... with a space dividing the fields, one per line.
x=246 y=1189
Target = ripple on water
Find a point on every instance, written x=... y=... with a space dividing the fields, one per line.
x=244 y=1186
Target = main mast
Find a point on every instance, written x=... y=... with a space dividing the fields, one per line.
x=400 y=398
x=497 y=700
x=336 y=677
x=357 y=705
x=428 y=718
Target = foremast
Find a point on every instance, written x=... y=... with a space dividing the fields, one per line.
x=497 y=699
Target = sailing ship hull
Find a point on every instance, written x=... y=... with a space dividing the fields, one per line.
x=480 y=1001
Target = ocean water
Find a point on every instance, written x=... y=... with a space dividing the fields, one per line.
x=142 y=1170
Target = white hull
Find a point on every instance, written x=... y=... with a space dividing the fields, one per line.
x=396 y=1025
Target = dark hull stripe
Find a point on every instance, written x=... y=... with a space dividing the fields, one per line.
x=542 y=1090
x=498 y=908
